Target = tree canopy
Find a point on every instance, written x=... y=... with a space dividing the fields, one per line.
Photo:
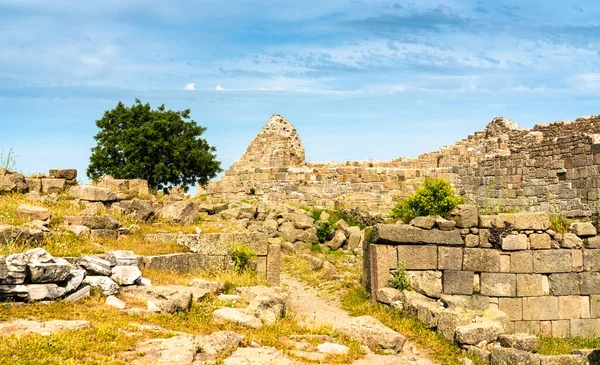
x=162 y=146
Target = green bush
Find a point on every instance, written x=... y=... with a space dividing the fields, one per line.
x=324 y=229
x=435 y=197
x=241 y=256
x=252 y=191
x=560 y=223
x=399 y=280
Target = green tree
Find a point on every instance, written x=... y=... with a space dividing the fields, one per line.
x=161 y=146
x=434 y=197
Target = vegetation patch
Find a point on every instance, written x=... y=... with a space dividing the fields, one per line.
x=434 y=197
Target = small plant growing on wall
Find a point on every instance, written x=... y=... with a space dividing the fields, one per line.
x=434 y=197
x=324 y=229
x=241 y=256
x=399 y=279
x=252 y=191
x=559 y=223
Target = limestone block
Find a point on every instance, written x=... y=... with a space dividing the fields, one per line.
x=50 y=186
x=474 y=333
x=104 y=233
x=569 y=240
x=504 y=263
x=521 y=261
x=450 y=258
x=552 y=261
x=564 y=284
x=540 y=241
x=183 y=212
x=540 y=308
x=471 y=240
x=515 y=242
x=74 y=280
x=95 y=265
x=51 y=272
x=591 y=260
x=423 y=222
x=569 y=307
x=521 y=221
x=403 y=233
x=560 y=328
x=445 y=224
x=418 y=257
x=382 y=258
x=513 y=307
x=338 y=240
x=388 y=295
x=592 y=242
x=589 y=283
x=529 y=285
x=498 y=284
x=481 y=260
x=583 y=229
x=44 y=291
x=274 y=264
x=509 y=356
x=428 y=282
x=374 y=334
x=236 y=316
x=458 y=282
x=125 y=275
x=91 y=193
x=448 y=321
x=577 y=256
x=465 y=216
x=68 y=174
x=33 y=212
x=103 y=283
x=93 y=222
x=585 y=327
x=520 y=341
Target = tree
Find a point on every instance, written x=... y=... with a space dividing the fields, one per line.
x=161 y=146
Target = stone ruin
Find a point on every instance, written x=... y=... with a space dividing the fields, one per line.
x=551 y=167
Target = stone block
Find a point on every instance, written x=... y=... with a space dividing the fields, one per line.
x=92 y=193
x=515 y=242
x=418 y=257
x=50 y=272
x=504 y=263
x=481 y=260
x=448 y=321
x=458 y=282
x=68 y=174
x=561 y=360
x=589 y=283
x=513 y=307
x=530 y=285
x=540 y=308
x=50 y=186
x=583 y=229
x=388 y=295
x=552 y=261
x=564 y=284
x=539 y=241
x=585 y=307
x=569 y=240
x=465 y=216
x=403 y=233
x=498 y=284
x=595 y=306
x=509 y=356
x=592 y=242
x=382 y=258
x=546 y=328
x=560 y=328
x=428 y=282
x=471 y=240
x=423 y=222
x=585 y=327
x=520 y=221
x=591 y=260
x=521 y=262
x=526 y=326
x=33 y=212
x=39 y=292
x=450 y=258
x=569 y=307
x=474 y=333
x=520 y=341
x=577 y=256
x=274 y=264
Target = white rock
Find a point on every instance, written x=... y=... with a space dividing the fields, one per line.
x=333 y=348
x=105 y=284
x=125 y=275
x=236 y=316
x=113 y=301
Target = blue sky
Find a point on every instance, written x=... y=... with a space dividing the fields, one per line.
x=359 y=79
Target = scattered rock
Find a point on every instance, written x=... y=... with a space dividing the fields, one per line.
x=125 y=275
x=374 y=334
x=39 y=292
x=169 y=299
x=181 y=212
x=21 y=327
x=388 y=295
x=102 y=283
x=337 y=241
x=424 y=222
x=583 y=229
x=92 y=193
x=33 y=212
x=520 y=341
x=236 y=316
x=211 y=286
x=333 y=348
x=113 y=301
x=257 y=356
x=94 y=265
x=474 y=333
x=123 y=258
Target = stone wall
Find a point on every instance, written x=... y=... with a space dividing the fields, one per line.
x=551 y=167
x=545 y=282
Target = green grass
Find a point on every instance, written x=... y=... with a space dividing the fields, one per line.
x=563 y=346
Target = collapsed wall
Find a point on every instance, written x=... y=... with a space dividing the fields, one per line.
x=550 y=167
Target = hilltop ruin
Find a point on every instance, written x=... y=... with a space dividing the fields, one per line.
x=552 y=167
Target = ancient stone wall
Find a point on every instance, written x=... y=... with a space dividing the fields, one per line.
x=551 y=167
x=544 y=282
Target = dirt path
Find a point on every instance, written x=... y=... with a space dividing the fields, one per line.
x=313 y=310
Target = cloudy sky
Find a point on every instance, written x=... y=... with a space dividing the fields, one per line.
x=358 y=78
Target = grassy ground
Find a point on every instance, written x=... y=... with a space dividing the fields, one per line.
x=564 y=346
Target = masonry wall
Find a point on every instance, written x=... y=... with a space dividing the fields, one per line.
x=545 y=282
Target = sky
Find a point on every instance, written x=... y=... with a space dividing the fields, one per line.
x=358 y=79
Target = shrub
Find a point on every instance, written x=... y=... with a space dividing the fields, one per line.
x=252 y=191
x=324 y=229
x=560 y=223
x=241 y=256
x=399 y=280
x=435 y=197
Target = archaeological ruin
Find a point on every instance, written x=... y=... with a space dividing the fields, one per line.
x=552 y=167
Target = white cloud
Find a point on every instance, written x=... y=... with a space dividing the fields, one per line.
x=190 y=86
x=219 y=88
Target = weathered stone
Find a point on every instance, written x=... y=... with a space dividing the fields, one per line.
x=450 y=258
x=510 y=356
x=583 y=229
x=95 y=265
x=591 y=260
x=448 y=321
x=337 y=241
x=80 y=230
x=53 y=186
x=569 y=240
x=14 y=234
x=104 y=233
x=569 y=307
x=102 y=283
x=423 y=222
x=520 y=341
x=169 y=299
x=513 y=307
x=458 y=282
x=13 y=292
x=137 y=209
x=427 y=282
x=125 y=275
x=445 y=224
x=68 y=174
x=530 y=285
x=92 y=193
x=236 y=316
x=274 y=264
x=585 y=327
x=552 y=261
x=93 y=222
x=33 y=212
x=388 y=295
x=122 y=257
x=520 y=221
x=521 y=262
x=515 y=242
x=113 y=301
x=21 y=327
x=589 y=283
x=51 y=272
x=394 y=233
x=418 y=257
x=257 y=356
x=481 y=260
x=472 y=240
x=539 y=241
x=540 y=308
x=592 y=242
x=73 y=280
x=184 y=212
x=373 y=333
x=81 y=292
x=210 y=286
x=301 y=221
x=564 y=284
x=465 y=216
x=474 y=333
x=44 y=291
x=498 y=285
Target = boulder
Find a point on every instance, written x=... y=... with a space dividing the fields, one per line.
x=18 y=292
x=73 y=280
x=210 y=286
x=39 y=292
x=424 y=222
x=16 y=265
x=33 y=212
x=115 y=302
x=474 y=333
x=138 y=209
x=80 y=230
x=16 y=234
x=93 y=222
x=92 y=193
x=12 y=182
x=183 y=212
x=125 y=274
x=169 y=299
x=81 y=292
x=301 y=221
x=122 y=257
x=218 y=343
x=388 y=295
x=520 y=341
x=374 y=334
x=266 y=303
x=337 y=241
x=95 y=265
x=583 y=229
x=102 y=283
x=510 y=356
x=236 y=316
x=51 y=272
x=445 y=224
